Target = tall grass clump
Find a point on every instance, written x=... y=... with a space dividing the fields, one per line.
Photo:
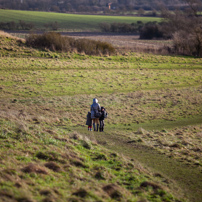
x=92 y=47
x=55 y=42
x=52 y=41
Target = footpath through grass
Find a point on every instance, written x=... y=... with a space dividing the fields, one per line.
x=154 y=105
x=172 y=154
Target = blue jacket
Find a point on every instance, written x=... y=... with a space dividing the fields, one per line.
x=95 y=108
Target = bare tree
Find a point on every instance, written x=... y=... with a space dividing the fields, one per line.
x=194 y=7
x=186 y=28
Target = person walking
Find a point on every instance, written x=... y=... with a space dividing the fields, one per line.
x=95 y=109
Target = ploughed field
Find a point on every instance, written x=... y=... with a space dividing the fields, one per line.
x=154 y=104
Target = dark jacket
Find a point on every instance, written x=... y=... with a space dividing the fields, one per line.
x=89 y=120
x=103 y=116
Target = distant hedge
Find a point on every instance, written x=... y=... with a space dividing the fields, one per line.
x=22 y=25
x=133 y=28
x=55 y=42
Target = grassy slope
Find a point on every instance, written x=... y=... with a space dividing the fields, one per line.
x=67 y=21
x=175 y=154
x=42 y=94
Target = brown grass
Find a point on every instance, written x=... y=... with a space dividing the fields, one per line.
x=81 y=193
x=113 y=191
x=53 y=166
x=45 y=192
x=126 y=43
x=150 y=184
x=78 y=163
x=4 y=34
x=34 y=168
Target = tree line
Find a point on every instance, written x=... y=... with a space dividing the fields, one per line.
x=90 y=5
x=184 y=27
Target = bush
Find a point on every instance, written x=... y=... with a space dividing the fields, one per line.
x=185 y=28
x=92 y=47
x=52 y=41
x=16 y=26
x=52 y=25
x=55 y=42
x=188 y=43
x=132 y=28
x=8 y=25
x=105 y=27
x=151 y=30
x=25 y=26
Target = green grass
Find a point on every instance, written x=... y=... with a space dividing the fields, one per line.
x=67 y=170
x=154 y=104
x=71 y=22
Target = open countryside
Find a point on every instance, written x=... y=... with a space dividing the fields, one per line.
x=150 y=149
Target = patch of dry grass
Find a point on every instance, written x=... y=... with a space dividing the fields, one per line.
x=183 y=143
x=123 y=108
x=129 y=43
x=7 y=35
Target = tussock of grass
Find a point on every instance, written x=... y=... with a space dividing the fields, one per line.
x=31 y=168
x=53 y=166
x=113 y=191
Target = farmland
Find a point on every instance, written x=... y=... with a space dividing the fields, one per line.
x=154 y=104
x=67 y=22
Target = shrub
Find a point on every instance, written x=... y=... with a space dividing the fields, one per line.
x=55 y=42
x=52 y=41
x=151 y=30
x=16 y=26
x=185 y=27
x=25 y=26
x=92 y=47
x=121 y=27
x=188 y=43
x=52 y=25
x=8 y=25
x=105 y=27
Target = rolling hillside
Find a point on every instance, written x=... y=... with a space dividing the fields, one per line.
x=151 y=147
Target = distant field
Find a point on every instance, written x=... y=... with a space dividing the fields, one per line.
x=73 y=22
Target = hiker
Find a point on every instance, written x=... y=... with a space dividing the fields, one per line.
x=95 y=113
x=89 y=121
x=101 y=119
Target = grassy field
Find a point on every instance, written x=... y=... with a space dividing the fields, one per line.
x=70 y=22
x=155 y=115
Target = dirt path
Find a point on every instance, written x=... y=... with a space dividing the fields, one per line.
x=187 y=178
